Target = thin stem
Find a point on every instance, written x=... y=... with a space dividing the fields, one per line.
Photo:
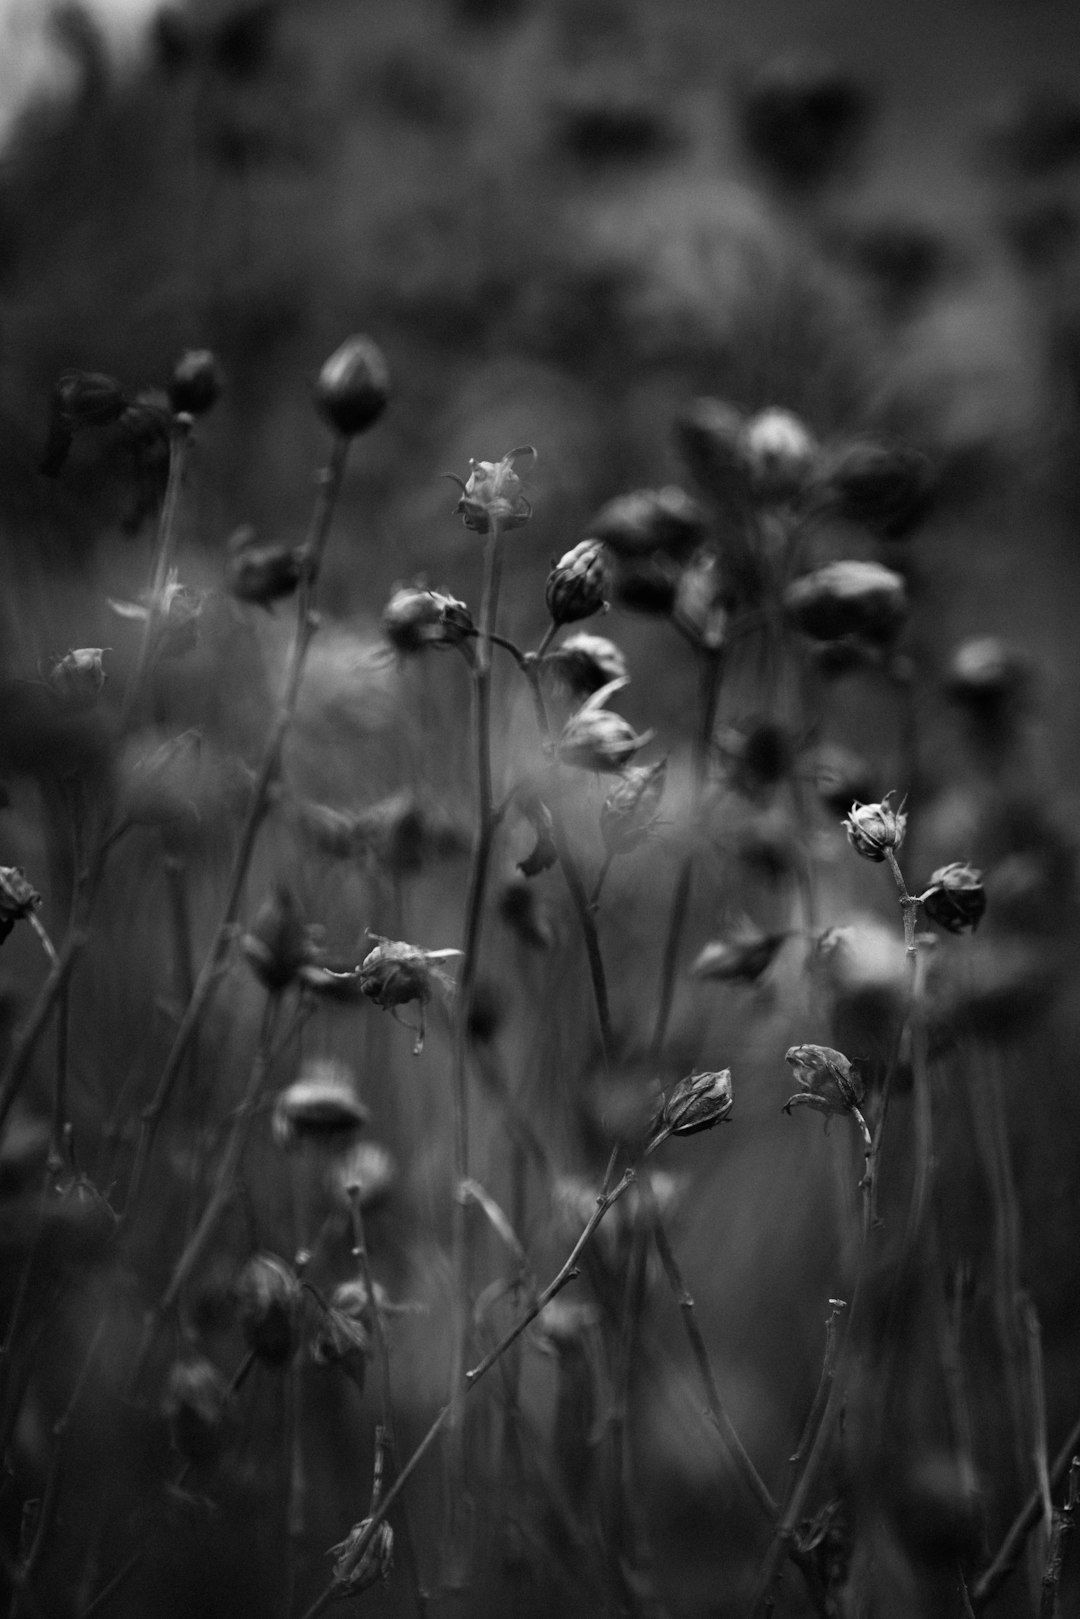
x=710 y=670
x=1008 y=1554
x=1063 y=1525
x=565 y=1274
x=26 y=1041
x=821 y=1396
x=329 y=485
x=180 y=440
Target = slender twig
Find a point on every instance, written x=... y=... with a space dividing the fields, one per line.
x=1008 y=1554
x=180 y=439
x=566 y=1273
x=329 y=484
x=821 y=1396
x=1063 y=1524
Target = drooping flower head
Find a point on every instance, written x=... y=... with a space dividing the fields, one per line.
x=493 y=495
x=596 y=739
x=956 y=898
x=826 y=1080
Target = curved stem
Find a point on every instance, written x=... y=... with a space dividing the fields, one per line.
x=179 y=447
x=303 y=634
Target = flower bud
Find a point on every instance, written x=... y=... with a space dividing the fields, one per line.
x=268 y=1294
x=355 y=1570
x=697 y=1102
x=628 y=815
x=646 y=520
x=196 y=1407
x=596 y=739
x=956 y=898
x=493 y=494
x=278 y=944
x=78 y=676
x=850 y=598
x=874 y=828
x=319 y=1109
x=577 y=584
x=826 y=1079
x=260 y=574
x=353 y=387
x=79 y=399
x=887 y=488
x=780 y=454
x=197 y=382
x=415 y=618
x=17 y=899
x=586 y=662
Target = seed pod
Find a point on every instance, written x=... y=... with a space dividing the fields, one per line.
x=78 y=676
x=261 y=574
x=268 y=1295
x=874 y=828
x=196 y=1407
x=356 y=1571
x=17 y=899
x=493 y=493
x=586 y=662
x=826 y=1079
x=577 y=585
x=697 y=1103
x=320 y=1109
x=197 y=382
x=353 y=387
x=416 y=618
x=956 y=898
x=780 y=454
x=633 y=525
x=278 y=945
x=628 y=815
x=849 y=598
x=889 y=488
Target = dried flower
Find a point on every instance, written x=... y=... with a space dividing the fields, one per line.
x=268 y=1295
x=596 y=739
x=17 y=899
x=887 y=487
x=873 y=829
x=79 y=399
x=629 y=813
x=416 y=617
x=356 y=1570
x=353 y=387
x=826 y=1080
x=956 y=898
x=780 y=454
x=260 y=573
x=278 y=944
x=79 y=676
x=586 y=662
x=741 y=958
x=394 y=973
x=648 y=520
x=197 y=382
x=344 y=1338
x=493 y=493
x=175 y=611
x=850 y=598
x=196 y=1405
x=696 y=1103
x=319 y=1109
x=544 y=853
x=578 y=583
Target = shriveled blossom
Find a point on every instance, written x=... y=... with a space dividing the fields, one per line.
x=175 y=611
x=629 y=813
x=395 y=973
x=357 y=1569
x=848 y=599
x=258 y=572
x=268 y=1298
x=874 y=829
x=278 y=944
x=417 y=617
x=743 y=957
x=779 y=453
x=196 y=1407
x=79 y=675
x=320 y=1108
x=596 y=739
x=826 y=1079
x=696 y=1103
x=493 y=494
x=956 y=898
x=544 y=853
x=586 y=662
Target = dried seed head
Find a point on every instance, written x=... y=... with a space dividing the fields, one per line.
x=320 y=1109
x=267 y=1295
x=78 y=676
x=956 y=898
x=629 y=813
x=633 y=525
x=279 y=943
x=597 y=739
x=493 y=493
x=578 y=583
x=585 y=662
x=826 y=1079
x=17 y=899
x=197 y=383
x=394 y=973
x=344 y=1338
x=873 y=829
x=780 y=454
x=258 y=573
x=888 y=488
x=863 y=600
x=356 y=1570
x=416 y=618
x=353 y=387
x=697 y=1103
x=196 y=1406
